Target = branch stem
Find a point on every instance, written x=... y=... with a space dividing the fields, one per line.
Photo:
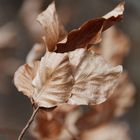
x=28 y=124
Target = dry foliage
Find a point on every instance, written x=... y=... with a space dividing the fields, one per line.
x=58 y=78
x=90 y=32
x=73 y=73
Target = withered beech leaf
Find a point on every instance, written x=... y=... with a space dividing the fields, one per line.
x=54 y=30
x=121 y=100
x=114 y=16
x=23 y=78
x=53 y=80
x=90 y=32
x=52 y=83
x=94 y=78
x=78 y=77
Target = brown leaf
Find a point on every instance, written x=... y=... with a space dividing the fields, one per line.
x=54 y=30
x=95 y=79
x=121 y=100
x=23 y=78
x=90 y=32
x=52 y=82
x=79 y=77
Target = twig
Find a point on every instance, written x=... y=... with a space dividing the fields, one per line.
x=28 y=124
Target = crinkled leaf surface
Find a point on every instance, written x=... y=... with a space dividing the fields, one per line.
x=79 y=77
x=52 y=83
x=90 y=32
x=23 y=78
x=94 y=78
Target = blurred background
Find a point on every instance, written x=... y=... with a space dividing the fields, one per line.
x=17 y=36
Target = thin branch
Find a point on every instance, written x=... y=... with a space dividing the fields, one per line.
x=28 y=124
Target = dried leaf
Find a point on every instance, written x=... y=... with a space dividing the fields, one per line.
x=52 y=82
x=115 y=106
x=54 y=30
x=95 y=79
x=90 y=32
x=23 y=78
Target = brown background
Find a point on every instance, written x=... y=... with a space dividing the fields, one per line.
x=15 y=109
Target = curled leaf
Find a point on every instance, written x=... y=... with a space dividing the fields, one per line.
x=54 y=30
x=90 y=32
x=95 y=79
x=23 y=78
x=51 y=82
x=79 y=77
